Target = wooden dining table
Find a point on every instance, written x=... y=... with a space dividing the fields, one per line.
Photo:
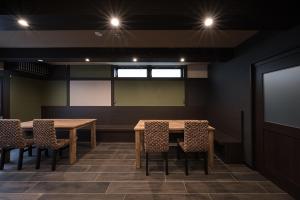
x=175 y=126
x=71 y=125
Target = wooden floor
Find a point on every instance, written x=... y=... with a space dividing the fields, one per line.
x=108 y=172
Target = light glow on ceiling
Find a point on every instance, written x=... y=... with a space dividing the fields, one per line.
x=23 y=22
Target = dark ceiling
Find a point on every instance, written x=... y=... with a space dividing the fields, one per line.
x=149 y=15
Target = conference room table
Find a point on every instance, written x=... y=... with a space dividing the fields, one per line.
x=71 y=125
x=175 y=126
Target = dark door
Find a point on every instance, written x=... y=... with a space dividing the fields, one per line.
x=1 y=96
x=277 y=120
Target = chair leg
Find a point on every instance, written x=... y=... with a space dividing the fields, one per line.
x=38 y=158
x=54 y=160
x=46 y=153
x=147 y=167
x=178 y=152
x=60 y=153
x=206 y=162
x=186 y=163
x=20 y=161
x=3 y=152
x=166 y=164
x=30 y=151
x=196 y=155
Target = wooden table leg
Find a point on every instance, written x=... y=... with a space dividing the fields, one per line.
x=93 y=136
x=211 y=149
x=73 y=146
x=137 y=149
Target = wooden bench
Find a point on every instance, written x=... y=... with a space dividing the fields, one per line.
x=228 y=148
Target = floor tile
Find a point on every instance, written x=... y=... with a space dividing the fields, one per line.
x=69 y=187
x=251 y=197
x=130 y=177
x=167 y=197
x=15 y=176
x=248 y=176
x=146 y=187
x=19 y=196
x=271 y=187
x=82 y=197
x=223 y=187
x=63 y=176
x=15 y=187
x=200 y=177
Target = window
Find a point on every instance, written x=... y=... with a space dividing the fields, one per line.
x=149 y=72
x=166 y=73
x=131 y=73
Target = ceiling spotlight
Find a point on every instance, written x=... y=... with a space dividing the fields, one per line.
x=182 y=59
x=115 y=22
x=208 y=22
x=87 y=60
x=40 y=60
x=134 y=59
x=23 y=22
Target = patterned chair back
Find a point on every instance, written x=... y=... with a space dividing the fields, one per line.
x=196 y=136
x=44 y=133
x=156 y=136
x=11 y=134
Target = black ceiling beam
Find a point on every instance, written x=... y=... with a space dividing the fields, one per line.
x=115 y=54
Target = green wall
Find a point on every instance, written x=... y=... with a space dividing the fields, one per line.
x=54 y=93
x=28 y=95
x=149 y=92
x=90 y=71
x=25 y=98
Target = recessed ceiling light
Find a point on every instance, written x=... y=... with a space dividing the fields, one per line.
x=40 y=60
x=182 y=59
x=208 y=21
x=134 y=59
x=23 y=22
x=115 y=22
x=87 y=60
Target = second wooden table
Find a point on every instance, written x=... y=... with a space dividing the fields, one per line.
x=175 y=126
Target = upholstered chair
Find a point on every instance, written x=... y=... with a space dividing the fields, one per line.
x=11 y=137
x=44 y=135
x=156 y=139
x=195 y=141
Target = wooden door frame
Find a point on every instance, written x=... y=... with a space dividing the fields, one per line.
x=277 y=62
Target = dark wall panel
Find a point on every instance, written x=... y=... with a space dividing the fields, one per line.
x=125 y=115
x=230 y=83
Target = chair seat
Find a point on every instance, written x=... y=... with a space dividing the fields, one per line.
x=62 y=143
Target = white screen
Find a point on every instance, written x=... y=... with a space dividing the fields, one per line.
x=90 y=93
